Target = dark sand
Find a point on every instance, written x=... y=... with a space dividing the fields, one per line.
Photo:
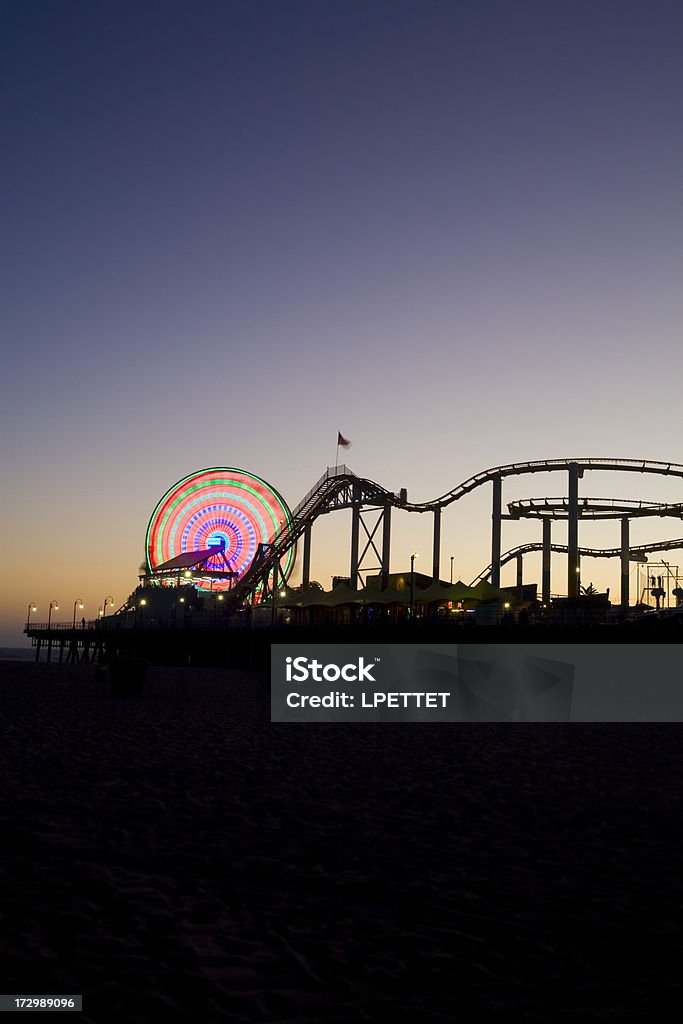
x=178 y=858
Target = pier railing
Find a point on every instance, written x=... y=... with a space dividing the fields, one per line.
x=57 y=626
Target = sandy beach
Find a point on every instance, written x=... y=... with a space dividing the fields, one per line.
x=177 y=857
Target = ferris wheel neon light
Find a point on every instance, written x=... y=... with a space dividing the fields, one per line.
x=229 y=509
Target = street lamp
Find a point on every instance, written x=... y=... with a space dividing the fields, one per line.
x=109 y=600
x=143 y=602
x=452 y=568
x=78 y=603
x=412 y=583
x=53 y=604
x=31 y=608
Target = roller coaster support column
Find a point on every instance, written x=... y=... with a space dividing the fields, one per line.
x=273 y=596
x=436 y=561
x=386 y=545
x=573 y=532
x=495 y=530
x=545 y=577
x=355 y=531
x=520 y=576
x=625 y=566
x=306 y=574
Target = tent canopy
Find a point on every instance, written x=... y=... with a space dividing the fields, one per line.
x=188 y=559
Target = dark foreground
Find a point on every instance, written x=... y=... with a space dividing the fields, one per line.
x=176 y=857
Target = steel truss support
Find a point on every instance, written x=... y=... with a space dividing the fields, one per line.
x=306 y=573
x=625 y=560
x=437 y=545
x=496 y=517
x=273 y=591
x=386 y=545
x=365 y=531
x=355 y=531
x=272 y=578
x=545 y=578
x=573 y=566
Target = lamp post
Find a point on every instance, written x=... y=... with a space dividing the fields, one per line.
x=53 y=604
x=143 y=602
x=452 y=568
x=109 y=600
x=412 y=583
x=78 y=603
x=31 y=608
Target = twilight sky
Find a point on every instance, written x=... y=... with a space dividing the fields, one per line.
x=451 y=230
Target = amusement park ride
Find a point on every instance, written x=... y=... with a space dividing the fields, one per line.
x=229 y=535
x=232 y=533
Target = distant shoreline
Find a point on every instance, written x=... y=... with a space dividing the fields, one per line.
x=22 y=654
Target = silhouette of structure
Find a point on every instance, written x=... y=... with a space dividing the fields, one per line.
x=371 y=506
x=230 y=535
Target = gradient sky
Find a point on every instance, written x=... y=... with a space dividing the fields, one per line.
x=450 y=229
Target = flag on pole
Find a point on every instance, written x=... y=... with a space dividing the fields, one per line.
x=342 y=442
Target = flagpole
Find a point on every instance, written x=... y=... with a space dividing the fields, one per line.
x=341 y=441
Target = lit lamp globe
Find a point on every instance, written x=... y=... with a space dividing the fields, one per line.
x=53 y=606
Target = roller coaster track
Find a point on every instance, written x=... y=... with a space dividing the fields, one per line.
x=547 y=466
x=593 y=508
x=524 y=549
x=335 y=489
x=339 y=488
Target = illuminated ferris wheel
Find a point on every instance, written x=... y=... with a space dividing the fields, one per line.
x=209 y=526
